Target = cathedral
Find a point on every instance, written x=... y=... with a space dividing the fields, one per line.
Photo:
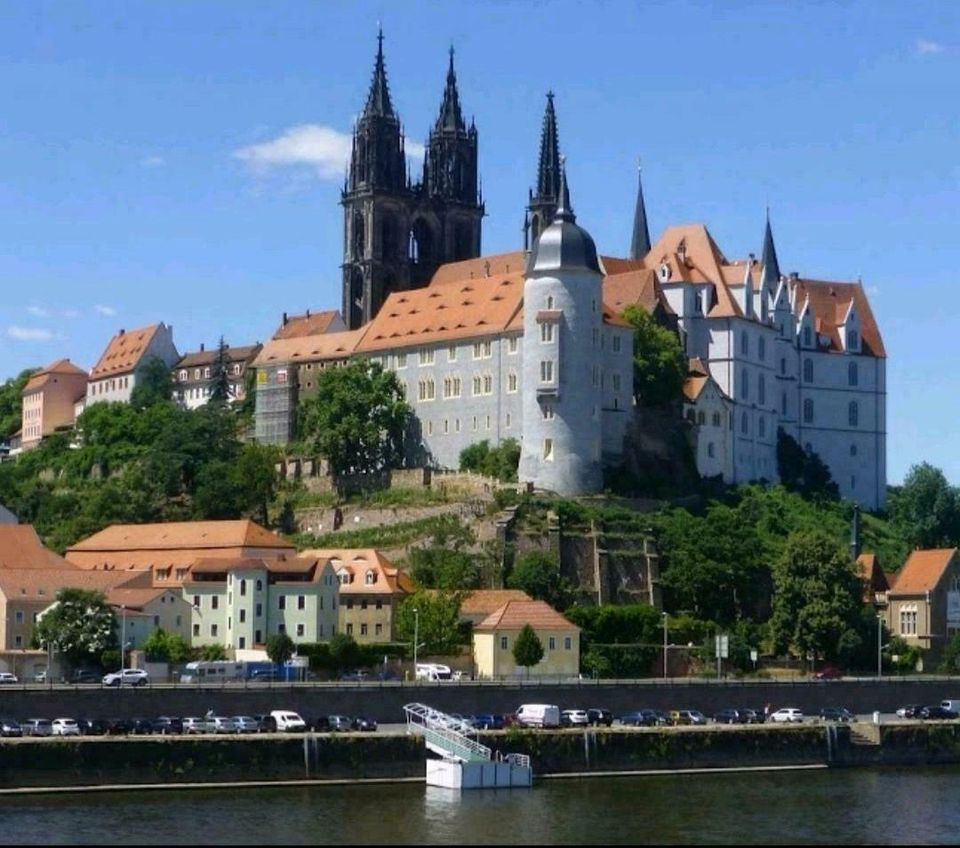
x=531 y=345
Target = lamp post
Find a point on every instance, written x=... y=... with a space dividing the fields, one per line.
x=416 y=638
x=664 y=646
x=879 y=646
x=123 y=632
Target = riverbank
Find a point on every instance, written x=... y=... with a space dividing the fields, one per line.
x=275 y=759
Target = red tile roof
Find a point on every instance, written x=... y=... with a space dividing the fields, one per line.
x=62 y=367
x=513 y=615
x=486 y=601
x=124 y=352
x=357 y=562
x=922 y=571
x=309 y=324
x=830 y=302
x=181 y=534
x=21 y=548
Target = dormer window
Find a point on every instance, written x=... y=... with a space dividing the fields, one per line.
x=853 y=340
x=807 y=337
x=370 y=578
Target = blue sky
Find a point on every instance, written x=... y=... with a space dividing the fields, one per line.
x=182 y=161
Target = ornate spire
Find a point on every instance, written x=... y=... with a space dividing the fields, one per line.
x=378 y=100
x=565 y=209
x=769 y=267
x=450 y=117
x=640 y=244
x=548 y=170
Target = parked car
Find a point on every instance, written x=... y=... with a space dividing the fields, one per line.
x=729 y=716
x=639 y=718
x=597 y=716
x=127 y=677
x=193 y=725
x=85 y=675
x=909 y=711
x=687 y=717
x=751 y=716
x=488 y=721
x=339 y=723
x=119 y=726
x=8 y=677
x=321 y=724
x=222 y=724
x=64 y=727
x=952 y=704
x=92 y=726
x=355 y=676
x=167 y=725
x=266 y=723
x=935 y=711
x=246 y=724
x=10 y=728
x=142 y=726
x=363 y=723
x=538 y=715
x=828 y=672
x=40 y=676
x=789 y=715
x=574 y=718
x=37 y=727
x=836 y=714
x=288 y=721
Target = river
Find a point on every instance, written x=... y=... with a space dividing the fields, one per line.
x=834 y=807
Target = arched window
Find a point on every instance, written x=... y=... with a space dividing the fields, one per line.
x=744 y=423
x=783 y=403
x=853 y=377
x=716 y=419
x=744 y=383
x=370 y=578
x=710 y=449
x=744 y=344
x=853 y=414
x=259 y=585
x=807 y=370
x=808 y=410
x=358 y=236
x=243 y=588
x=761 y=390
x=853 y=340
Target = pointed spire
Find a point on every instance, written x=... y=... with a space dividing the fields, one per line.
x=640 y=244
x=565 y=209
x=378 y=100
x=548 y=170
x=770 y=267
x=450 y=117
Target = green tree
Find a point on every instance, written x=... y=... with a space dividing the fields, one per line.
x=802 y=470
x=357 y=418
x=538 y=574
x=618 y=640
x=280 y=648
x=212 y=653
x=527 y=649
x=161 y=646
x=220 y=375
x=926 y=509
x=817 y=598
x=442 y=561
x=11 y=403
x=500 y=462
x=154 y=384
x=438 y=630
x=80 y=625
x=345 y=653
x=659 y=363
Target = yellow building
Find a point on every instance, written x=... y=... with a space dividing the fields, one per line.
x=923 y=605
x=49 y=400
x=495 y=637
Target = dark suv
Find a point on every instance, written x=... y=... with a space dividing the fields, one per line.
x=597 y=716
x=85 y=675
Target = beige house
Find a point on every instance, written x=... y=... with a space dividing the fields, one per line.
x=481 y=603
x=923 y=605
x=494 y=639
x=140 y=611
x=371 y=588
x=49 y=400
x=168 y=550
x=240 y=602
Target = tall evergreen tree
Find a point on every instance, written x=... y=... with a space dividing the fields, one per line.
x=220 y=377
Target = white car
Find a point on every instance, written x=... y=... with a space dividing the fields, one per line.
x=8 y=677
x=65 y=727
x=288 y=722
x=574 y=718
x=126 y=677
x=787 y=714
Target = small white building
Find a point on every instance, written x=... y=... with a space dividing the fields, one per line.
x=115 y=375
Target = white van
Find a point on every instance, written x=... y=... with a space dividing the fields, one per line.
x=288 y=722
x=434 y=672
x=538 y=715
x=952 y=704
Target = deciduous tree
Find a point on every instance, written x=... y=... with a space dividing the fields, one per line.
x=527 y=649
x=80 y=625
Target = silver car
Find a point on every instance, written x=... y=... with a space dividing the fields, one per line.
x=194 y=725
x=64 y=727
x=246 y=724
x=37 y=727
x=222 y=724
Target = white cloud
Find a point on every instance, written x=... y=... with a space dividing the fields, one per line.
x=315 y=146
x=38 y=311
x=29 y=334
x=71 y=313
x=102 y=309
x=153 y=161
x=925 y=47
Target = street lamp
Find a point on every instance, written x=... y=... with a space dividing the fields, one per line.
x=879 y=646
x=664 y=646
x=123 y=632
x=416 y=637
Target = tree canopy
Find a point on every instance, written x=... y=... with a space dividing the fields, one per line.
x=280 y=648
x=81 y=626
x=11 y=403
x=527 y=649
x=161 y=646
x=500 y=462
x=438 y=630
x=220 y=376
x=802 y=470
x=357 y=419
x=538 y=574
x=926 y=509
x=154 y=384
x=659 y=363
x=442 y=561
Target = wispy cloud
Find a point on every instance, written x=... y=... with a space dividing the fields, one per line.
x=71 y=313
x=38 y=311
x=29 y=334
x=103 y=309
x=925 y=47
x=322 y=149
x=153 y=161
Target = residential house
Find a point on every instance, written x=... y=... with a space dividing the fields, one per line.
x=193 y=375
x=168 y=550
x=142 y=609
x=481 y=603
x=494 y=639
x=49 y=400
x=115 y=375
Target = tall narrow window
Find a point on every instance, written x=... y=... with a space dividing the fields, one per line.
x=808 y=411
x=853 y=378
x=761 y=390
x=744 y=384
x=807 y=370
x=853 y=414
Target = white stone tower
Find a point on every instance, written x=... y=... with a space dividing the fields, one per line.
x=562 y=328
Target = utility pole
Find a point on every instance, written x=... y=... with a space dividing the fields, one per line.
x=416 y=638
x=664 y=646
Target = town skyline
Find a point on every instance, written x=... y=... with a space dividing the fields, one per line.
x=219 y=231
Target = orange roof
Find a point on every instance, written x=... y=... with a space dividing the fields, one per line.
x=283 y=565
x=486 y=601
x=480 y=268
x=134 y=598
x=21 y=548
x=181 y=534
x=638 y=287
x=309 y=324
x=209 y=356
x=616 y=265
x=693 y=386
x=124 y=352
x=44 y=583
x=357 y=562
x=513 y=615
x=872 y=575
x=922 y=571
x=311 y=348
x=830 y=302
x=62 y=367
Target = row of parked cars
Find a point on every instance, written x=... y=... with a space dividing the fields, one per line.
x=272 y=722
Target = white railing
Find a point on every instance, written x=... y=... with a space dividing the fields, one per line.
x=445 y=735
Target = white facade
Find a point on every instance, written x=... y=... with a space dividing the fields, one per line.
x=116 y=384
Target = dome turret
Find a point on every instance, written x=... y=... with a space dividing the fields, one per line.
x=564 y=245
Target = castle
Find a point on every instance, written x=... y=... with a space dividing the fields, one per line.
x=530 y=344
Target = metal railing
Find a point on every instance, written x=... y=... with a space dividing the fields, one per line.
x=446 y=735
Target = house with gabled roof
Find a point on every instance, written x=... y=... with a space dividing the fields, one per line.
x=49 y=400
x=194 y=373
x=115 y=374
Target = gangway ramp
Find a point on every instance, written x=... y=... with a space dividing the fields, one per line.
x=446 y=735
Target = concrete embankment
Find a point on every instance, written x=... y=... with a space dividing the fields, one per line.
x=139 y=761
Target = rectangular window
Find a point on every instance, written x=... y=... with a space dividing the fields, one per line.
x=477 y=385
x=282 y=602
x=196 y=629
x=546 y=370
x=243 y=616
x=401 y=361
x=488 y=422
x=258 y=637
x=552 y=643
x=243 y=643
x=546 y=332
x=378 y=629
x=301 y=602
x=349 y=630
x=19 y=617
x=214 y=602
x=512 y=382
x=213 y=629
x=503 y=643
x=281 y=628
x=512 y=344
x=568 y=643
x=616 y=344
x=259 y=612
x=548 y=450
x=452 y=353
x=299 y=630
x=363 y=629
x=508 y=421
x=487 y=384
x=547 y=411
x=426 y=356
x=281 y=375
x=18 y=641
x=616 y=382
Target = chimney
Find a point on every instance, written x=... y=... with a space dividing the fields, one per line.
x=122 y=331
x=794 y=276
x=753 y=259
x=201 y=347
x=284 y=319
x=308 y=313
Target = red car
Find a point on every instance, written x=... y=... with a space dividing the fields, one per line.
x=828 y=672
